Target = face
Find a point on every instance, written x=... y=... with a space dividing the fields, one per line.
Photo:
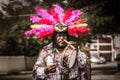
x=59 y=39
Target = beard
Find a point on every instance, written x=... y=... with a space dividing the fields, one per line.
x=60 y=44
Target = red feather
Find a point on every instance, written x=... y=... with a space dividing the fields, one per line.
x=76 y=22
x=53 y=13
x=77 y=30
x=79 y=21
x=73 y=31
x=67 y=14
x=45 y=21
x=45 y=34
x=83 y=29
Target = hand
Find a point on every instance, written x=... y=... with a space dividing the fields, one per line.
x=50 y=68
x=65 y=58
x=65 y=71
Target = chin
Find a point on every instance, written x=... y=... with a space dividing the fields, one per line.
x=61 y=46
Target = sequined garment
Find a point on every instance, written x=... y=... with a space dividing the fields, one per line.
x=77 y=72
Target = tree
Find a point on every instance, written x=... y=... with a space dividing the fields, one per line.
x=101 y=15
x=14 y=21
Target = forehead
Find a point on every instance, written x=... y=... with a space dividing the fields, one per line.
x=61 y=34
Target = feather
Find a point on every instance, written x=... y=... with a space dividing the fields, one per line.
x=79 y=25
x=34 y=19
x=45 y=21
x=67 y=14
x=37 y=26
x=59 y=10
x=83 y=30
x=74 y=31
x=76 y=22
x=50 y=17
x=75 y=15
x=42 y=32
x=44 y=14
x=53 y=13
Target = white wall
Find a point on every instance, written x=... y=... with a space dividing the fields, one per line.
x=16 y=63
x=117 y=41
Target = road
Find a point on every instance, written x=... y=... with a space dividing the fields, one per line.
x=105 y=75
x=16 y=77
x=96 y=75
x=99 y=72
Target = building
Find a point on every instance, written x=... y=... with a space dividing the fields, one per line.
x=117 y=43
x=102 y=46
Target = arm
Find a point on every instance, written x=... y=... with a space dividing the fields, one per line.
x=43 y=65
x=84 y=64
x=81 y=58
x=38 y=69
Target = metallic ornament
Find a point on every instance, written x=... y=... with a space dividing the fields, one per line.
x=60 y=27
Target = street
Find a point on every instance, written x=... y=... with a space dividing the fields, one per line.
x=96 y=75
x=105 y=75
x=106 y=71
x=17 y=77
x=99 y=72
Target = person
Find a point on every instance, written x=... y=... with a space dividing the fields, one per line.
x=61 y=59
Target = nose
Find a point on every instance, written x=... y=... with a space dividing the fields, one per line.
x=61 y=37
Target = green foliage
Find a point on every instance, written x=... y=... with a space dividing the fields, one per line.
x=14 y=21
x=101 y=15
x=97 y=20
x=16 y=43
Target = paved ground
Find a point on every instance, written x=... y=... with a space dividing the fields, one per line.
x=105 y=75
x=106 y=71
x=99 y=72
x=96 y=75
x=17 y=77
x=108 y=65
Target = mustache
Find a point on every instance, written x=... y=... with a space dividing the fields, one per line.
x=67 y=43
x=61 y=41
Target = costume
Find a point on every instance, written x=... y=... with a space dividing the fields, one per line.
x=77 y=72
x=57 y=20
x=47 y=22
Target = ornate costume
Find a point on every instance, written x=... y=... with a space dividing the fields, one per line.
x=46 y=24
x=77 y=72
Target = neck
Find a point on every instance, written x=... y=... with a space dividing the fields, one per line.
x=60 y=49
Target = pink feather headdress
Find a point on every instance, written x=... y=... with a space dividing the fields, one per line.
x=46 y=20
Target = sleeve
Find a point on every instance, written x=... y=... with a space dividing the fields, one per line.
x=81 y=58
x=84 y=64
x=38 y=69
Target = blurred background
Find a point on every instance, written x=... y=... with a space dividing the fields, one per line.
x=18 y=52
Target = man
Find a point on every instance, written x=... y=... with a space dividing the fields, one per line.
x=61 y=59
x=52 y=63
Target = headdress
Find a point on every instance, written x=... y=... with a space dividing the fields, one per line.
x=57 y=20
